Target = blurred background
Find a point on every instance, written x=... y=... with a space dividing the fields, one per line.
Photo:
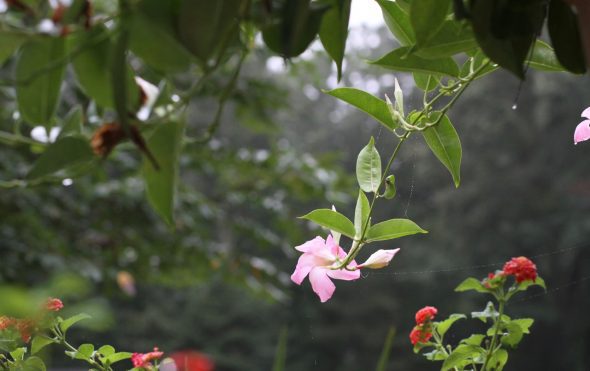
x=220 y=282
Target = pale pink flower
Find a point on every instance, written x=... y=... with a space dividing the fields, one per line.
x=582 y=132
x=379 y=259
x=317 y=261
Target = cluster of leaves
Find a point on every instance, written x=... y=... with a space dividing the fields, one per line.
x=487 y=350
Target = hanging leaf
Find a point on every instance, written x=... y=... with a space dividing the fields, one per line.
x=426 y=17
x=65 y=154
x=390 y=189
x=332 y=220
x=443 y=141
x=368 y=168
x=393 y=228
x=165 y=144
x=334 y=31
x=400 y=60
x=371 y=105
x=398 y=21
x=39 y=73
x=565 y=36
x=361 y=214
x=543 y=58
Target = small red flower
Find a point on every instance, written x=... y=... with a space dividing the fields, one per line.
x=6 y=322
x=25 y=327
x=420 y=334
x=523 y=269
x=142 y=360
x=493 y=280
x=53 y=305
x=425 y=314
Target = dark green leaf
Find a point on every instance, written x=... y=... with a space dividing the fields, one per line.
x=426 y=17
x=334 y=31
x=165 y=144
x=39 y=74
x=393 y=228
x=9 y=43
x=332 y=220
x=371 y=105
x=565 y=36
x=72 y=122
x=398 y=21
x=361 y=214
x=444 y=326
x=400 y=60
x=544 y=59
x=64 y=154
x=443 y=141
x=452 y=38
x=425 y=82
x=368 y=168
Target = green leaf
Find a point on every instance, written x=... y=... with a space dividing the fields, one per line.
x=39 y=73
x=461 y=356
x=165 y=144
x=66 y=324
x=93 y=68
x=400 y=60
x=543 y=58
x=452 y=38
x=64 y=154
x=471 y=284
x=34 y=364
x=443 y=141
x=84 y=352
x=72 y=122
x=18 y=354
x=153 y=36
x=371 y=105
x=117 y=357
x=393 y=228
x=435 y=355
x=332 y=220
x=562 y=23
x=361 y=214
x=524 y=285
x=489 y=312
x=9 y=43
x=368 y=168
x=444 y=326
x=39 y=342
x=398 y=21
x=334 y=31
x=204 y=26
x=390 y=189
x=498 y=360
x=425 y=82
x=106 y=350
x=295 y=28
x=474 y=339
x=524 y=324
x=426 y=17
x=514 y=335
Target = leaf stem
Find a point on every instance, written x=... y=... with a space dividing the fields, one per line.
x=497 y=322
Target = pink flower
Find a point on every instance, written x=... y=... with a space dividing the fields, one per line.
x=318 y=258
x=582 y=132
x=53 y=304
x=143 y=360
x=379 y=259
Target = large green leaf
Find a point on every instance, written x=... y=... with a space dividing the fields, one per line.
x=39 y=74
x=543 y=58
x=565 y=36
x=398 y=21
x=426 y=17
x=64 y=154
x=452 y=38
x=371 y=105
x=393 y=228
x=334 y=31
x=332 y=220
x=9 y=43
x=368 y=168
x=400 y=60
x=446 y=146
x=296 y=26
x=361 y=213
x=160 y=184
x=205 y=26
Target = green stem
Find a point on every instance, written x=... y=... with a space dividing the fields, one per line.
x=492 y=347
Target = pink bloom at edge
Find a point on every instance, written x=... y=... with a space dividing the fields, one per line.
x=379 y=259
x=582 y=132
x=318 y=258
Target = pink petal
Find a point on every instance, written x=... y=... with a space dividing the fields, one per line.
x=300 y=273
x=586 y=113
x=379 y=259
x=343 y=274
x=321 y=284
x=582 y=132
x=332 y=246
x=311 y=245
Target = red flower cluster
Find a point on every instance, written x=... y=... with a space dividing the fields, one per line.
x=143 y=360
x=53 y=305
x=523 y=269
x=191 y=360
x=25 y=327
x=422 y=332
